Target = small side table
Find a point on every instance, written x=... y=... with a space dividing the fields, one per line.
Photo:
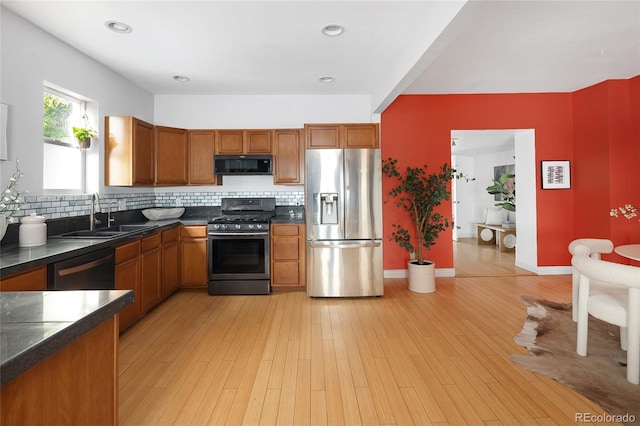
x=630 y=251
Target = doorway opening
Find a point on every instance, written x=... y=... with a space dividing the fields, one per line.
x=475 y=154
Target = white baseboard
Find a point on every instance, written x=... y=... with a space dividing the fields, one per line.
x=451 y=272
x=545 y=270
x=554 y=270
x=403 y=273
x=396 y=273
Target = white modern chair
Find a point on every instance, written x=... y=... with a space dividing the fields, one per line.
x=596 y=247
x=616 y=300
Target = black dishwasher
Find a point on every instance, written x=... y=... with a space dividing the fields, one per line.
x=91 y=271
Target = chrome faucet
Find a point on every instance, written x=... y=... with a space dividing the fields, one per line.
x=110 y=219
x=92 y=217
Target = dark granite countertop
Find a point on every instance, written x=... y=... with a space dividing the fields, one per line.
x=15 y=259
x=37 y=324
x=287 y=219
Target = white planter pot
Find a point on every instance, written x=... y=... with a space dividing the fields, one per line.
x=422 y=278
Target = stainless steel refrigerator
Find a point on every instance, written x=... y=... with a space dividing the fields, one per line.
x=343 y=205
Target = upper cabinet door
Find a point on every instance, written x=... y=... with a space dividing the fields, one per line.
x=171 y=156
x=332 y=136
x=229 y=142
x=243 y=142
x=201 y=150
x=129 y=152
x=143 y=154
x=257 y=141
x=360 y=135
x=322 y=135
x=289 y=157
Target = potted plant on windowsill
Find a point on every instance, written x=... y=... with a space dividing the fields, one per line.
x=84 y=136
x=419 y=194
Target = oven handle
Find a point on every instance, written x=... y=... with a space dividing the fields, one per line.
x=248 y=234
x=84 y=266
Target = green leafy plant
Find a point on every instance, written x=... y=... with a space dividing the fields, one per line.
x=82 y=133
x=419 y=194
x=506 y=188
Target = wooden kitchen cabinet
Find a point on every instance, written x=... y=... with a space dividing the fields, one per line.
x=32 y=280
x=288 y=157
x=171 y=150
x=127 y=277
x=350 y=135
x=170 y=261
x=360 y=135
x=129 y=152
x=256 y=141
x=150 y=267
x=193 y=257
x=201 y=151
x=288 y=257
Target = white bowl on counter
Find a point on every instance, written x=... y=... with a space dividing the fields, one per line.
x=163 y=213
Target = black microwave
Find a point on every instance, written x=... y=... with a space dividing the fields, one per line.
x=243 y=164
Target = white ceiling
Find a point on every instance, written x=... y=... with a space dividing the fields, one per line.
x=473 y=143
x=388 y=47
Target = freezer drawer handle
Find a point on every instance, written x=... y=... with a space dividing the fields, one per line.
x=344 y=244
x=84 y=266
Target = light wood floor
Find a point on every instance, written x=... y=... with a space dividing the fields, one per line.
x=402 y=359
x=471 y=259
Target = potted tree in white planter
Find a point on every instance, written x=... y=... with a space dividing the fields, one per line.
x=418 y=194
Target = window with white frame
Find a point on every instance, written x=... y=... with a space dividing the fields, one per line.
x=64 y=162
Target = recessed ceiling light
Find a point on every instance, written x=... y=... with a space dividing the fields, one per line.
x=326 y=79
x=181 y=78
x=118 y=27
x=332 y=30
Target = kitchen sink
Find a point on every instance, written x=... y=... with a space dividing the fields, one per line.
x=106 y=233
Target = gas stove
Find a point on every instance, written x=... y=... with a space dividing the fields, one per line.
x=238 y=247
x=244 y=215
x=239 y=222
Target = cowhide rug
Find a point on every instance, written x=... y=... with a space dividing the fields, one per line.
x=550 y=335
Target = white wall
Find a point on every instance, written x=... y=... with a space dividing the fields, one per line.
x=29 y=57
x=483 y=172
x=255 y=112
x=465 y=197
x=473 y=197
x=526 y=201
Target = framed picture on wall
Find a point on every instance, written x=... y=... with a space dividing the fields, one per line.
x=556 y=174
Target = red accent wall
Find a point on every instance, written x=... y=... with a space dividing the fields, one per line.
x=634 y=152
x=568 y=126
x=606 y=140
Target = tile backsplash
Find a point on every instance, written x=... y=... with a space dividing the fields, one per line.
x=61 y=206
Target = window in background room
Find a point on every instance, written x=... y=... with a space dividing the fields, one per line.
x=64 y=163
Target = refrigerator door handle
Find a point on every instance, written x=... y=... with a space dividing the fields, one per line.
x=343 y=244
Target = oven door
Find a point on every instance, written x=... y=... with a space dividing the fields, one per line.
x=238 y=256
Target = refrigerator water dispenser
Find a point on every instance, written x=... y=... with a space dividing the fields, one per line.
x=329 y=208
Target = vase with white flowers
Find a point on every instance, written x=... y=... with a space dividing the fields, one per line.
x=12 y=200
x=628 y=210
